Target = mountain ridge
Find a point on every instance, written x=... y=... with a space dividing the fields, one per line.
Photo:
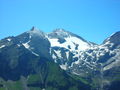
x=70 y=52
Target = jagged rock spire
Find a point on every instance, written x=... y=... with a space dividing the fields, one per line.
x=33 y=28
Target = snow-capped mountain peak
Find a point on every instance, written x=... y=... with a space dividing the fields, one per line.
x=67 y=49
x=67 y=40
x=70 y=51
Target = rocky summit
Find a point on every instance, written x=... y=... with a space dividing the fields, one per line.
x=59 y=60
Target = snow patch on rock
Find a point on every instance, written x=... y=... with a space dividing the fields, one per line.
x=2 y=46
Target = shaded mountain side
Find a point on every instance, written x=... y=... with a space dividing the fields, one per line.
x=47 y=75
x=21 y=68
x=16 y=61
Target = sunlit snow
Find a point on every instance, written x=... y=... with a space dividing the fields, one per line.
x=63 y=66
x=9 y=39
x=70 y=41
x=2 y=46
x=26 y=45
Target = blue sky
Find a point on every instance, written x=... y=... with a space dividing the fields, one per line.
x=94 y=20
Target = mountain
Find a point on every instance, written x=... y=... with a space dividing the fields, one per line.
x=66 y=47
x=59 y=60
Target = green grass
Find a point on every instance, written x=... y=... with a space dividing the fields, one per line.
x=79 y=78
x=11 y=85
x=2 y=88
x=33 y=78
x=17 y=85
x=35 y=88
